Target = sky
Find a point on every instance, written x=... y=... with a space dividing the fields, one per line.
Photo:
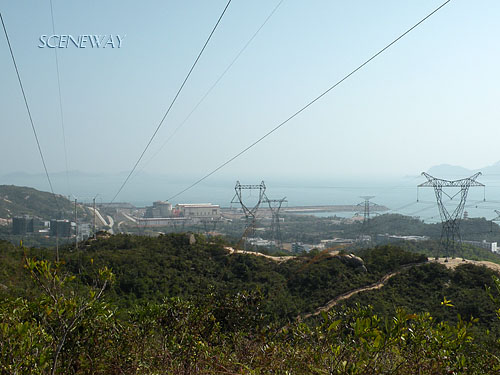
x=431 y=99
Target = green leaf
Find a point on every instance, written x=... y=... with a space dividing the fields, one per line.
x=334 y=325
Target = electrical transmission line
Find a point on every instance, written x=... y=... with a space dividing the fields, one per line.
x=346 y=77
x=173 y=100
x=29 y=112
x=216 y=82
x=421 y=210
x=450 y=221
x=60 y=101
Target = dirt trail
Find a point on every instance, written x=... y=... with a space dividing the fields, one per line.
x=349 y=294
x=274 y=258
x=451 y=263
x=278 y=259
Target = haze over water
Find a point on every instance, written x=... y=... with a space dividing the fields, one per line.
x=398 y=194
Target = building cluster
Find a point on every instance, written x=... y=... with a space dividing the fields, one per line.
x=60 y=228
x=491 y=246
x=159 y=210
x=299 y=247
x=397 y=238
x=24 y=224
x=164 y=214
x=28 y=225
x=259 y=242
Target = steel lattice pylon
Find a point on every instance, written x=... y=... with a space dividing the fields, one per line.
x=450 y=229
x=498 y=216
x=366 y=204
x=210 y=224
x=250 y=212
x=275 y=207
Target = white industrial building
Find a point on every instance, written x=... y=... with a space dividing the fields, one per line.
x=160 y=221
x=159 y=210
x=198 y=210
x=491 y=246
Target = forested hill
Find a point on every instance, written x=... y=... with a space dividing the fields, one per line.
x=471 y=228
x=149 y=269
x=174 y=305
x=19 y=200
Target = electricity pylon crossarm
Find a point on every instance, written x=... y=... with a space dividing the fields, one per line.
x=250 y=212
x=450 y=222
x=498 y=216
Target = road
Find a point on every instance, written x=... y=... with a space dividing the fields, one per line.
x=99 y=216
x=129 y=217
x=111 y=224
x=119 y=226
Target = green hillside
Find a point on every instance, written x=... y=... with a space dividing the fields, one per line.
x=19 y=200
x=174 y=305
x=422 y=289
x=149 y=269
x=435 y=248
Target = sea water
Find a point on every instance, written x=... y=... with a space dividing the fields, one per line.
x=399 y=195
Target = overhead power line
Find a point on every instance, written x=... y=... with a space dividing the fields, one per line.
x=183 y=122
x=60 y=101
x=173 y=101
x=28 y=109
x=312 y=101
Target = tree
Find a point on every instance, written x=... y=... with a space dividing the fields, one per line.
x=59 y=309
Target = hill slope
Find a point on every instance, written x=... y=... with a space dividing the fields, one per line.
x=20 y=200
x=192 y=307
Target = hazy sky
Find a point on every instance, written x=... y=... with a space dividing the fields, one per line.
x=431 y=99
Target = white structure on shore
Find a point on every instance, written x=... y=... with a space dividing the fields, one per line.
x=491 y=246
x=198 y=210
x=159 y=210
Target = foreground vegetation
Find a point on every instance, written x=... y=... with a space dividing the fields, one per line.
x=139 y=305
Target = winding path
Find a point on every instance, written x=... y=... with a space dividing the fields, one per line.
x=451 y=263
x=379 y=284
x=278 y=259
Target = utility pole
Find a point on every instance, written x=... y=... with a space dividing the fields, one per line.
x=95 y=235
x=76 y=228
x=57 y=241
x=250 y=212
x=57 y=237
x=450 y=222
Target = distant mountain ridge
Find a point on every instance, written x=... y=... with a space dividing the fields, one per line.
x=447 y=170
